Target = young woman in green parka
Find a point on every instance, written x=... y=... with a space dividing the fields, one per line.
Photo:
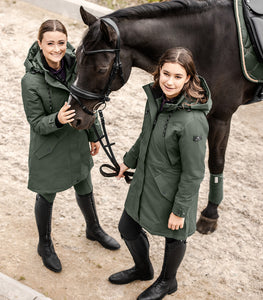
x=59 y=156
x=169 y=160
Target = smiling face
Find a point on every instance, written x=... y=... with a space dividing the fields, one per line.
x=172 y=79
x=53 y=45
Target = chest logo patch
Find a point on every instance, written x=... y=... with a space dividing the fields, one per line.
x=197 y=138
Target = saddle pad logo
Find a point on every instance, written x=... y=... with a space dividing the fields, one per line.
x=197 y=138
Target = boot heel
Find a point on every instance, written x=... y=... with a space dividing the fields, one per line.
x=146 y=278
x=130 y=275
x=89 y=237
x=173 y=290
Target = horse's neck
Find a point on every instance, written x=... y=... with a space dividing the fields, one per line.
x=148 y=39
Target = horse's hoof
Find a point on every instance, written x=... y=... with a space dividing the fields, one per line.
x=206 y=225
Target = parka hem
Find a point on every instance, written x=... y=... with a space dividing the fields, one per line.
x=173 y=235
x=57 y=190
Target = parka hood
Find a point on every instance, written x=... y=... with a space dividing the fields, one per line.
x=33 y=62
x=182 y=101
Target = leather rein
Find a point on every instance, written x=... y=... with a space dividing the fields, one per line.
x=109 y=152
x=78 y=93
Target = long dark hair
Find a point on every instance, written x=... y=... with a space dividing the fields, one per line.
x=183 y=57
x=51 y=25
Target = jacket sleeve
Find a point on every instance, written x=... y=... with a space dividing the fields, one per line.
x=192 y=145
x=92 y=136
x=39 y=121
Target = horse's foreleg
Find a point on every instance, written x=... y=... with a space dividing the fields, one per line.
x=217 y=140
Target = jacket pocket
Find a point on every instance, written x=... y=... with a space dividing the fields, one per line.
x=47 y=146
x=167 y=184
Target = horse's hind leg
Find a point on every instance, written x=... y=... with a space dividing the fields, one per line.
x=217 y=140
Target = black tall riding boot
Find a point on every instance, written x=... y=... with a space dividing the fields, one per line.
x=143 y=270
x=94 y=231
x=43 y=214
x=166 y=283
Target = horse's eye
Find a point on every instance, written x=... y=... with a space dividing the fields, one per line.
x=102 y=70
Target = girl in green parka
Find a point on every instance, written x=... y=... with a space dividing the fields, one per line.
x=59 y=156
x=169 y=160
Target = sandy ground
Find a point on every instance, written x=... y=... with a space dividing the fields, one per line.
x=225 y=265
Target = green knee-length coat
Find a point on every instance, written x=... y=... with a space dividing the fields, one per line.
x=169 y=160
x=58 y=157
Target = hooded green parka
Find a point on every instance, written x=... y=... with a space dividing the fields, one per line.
x=169 y=160
x=58 y=157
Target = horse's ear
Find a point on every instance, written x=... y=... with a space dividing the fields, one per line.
x=87 y=18
x=108 y=32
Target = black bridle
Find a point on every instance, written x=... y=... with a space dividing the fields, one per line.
x=78 y=93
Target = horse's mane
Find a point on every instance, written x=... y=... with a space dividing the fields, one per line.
x=156 y=9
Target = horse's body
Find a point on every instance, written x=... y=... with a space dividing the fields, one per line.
x=206 y=27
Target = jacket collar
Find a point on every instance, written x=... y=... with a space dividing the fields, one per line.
x=155 y=97
x=34 y=62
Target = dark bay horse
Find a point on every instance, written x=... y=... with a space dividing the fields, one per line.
x=137 y=38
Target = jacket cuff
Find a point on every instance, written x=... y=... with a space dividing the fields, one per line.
x=179 y=211
x=129 y=160
x=58 y=124
x=52 y=121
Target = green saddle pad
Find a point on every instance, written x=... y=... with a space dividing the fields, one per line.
x=252 y=68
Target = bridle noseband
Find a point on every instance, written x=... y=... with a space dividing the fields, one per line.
x=78 y=93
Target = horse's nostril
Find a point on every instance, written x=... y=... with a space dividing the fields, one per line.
x=78 y=122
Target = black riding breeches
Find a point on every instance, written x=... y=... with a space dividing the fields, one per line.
x=130 y=229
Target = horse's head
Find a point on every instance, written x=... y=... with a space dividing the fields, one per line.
x=99 y=69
